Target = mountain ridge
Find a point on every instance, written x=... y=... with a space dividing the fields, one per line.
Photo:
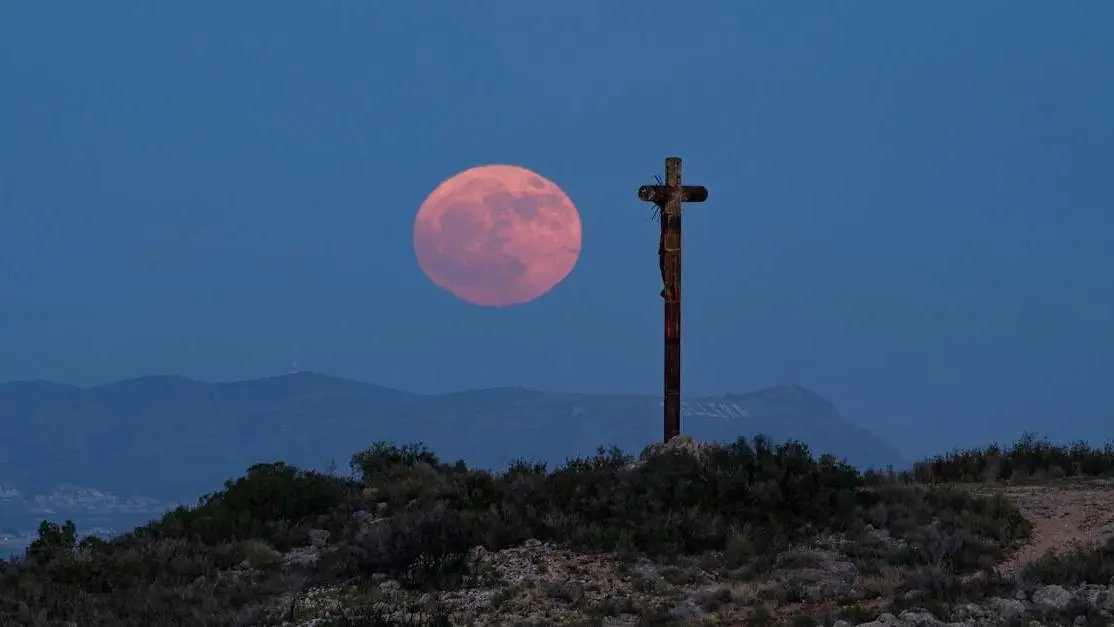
x=169 y=438
x=311 y=375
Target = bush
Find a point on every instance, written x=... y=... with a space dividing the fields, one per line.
x=423 y=548
x=385 y=458
x=53 y=540
x=1078 y=566
x=263 y=505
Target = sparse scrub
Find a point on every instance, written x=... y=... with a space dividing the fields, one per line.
x=408 y=516
x=1028 y=460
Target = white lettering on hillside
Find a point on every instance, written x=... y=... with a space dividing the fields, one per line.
x=710 y=410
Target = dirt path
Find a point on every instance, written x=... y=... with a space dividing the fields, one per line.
x=1063 y=514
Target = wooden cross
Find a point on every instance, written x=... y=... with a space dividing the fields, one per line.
x=668 y=198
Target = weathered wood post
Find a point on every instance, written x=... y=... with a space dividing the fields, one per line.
x=668 y=198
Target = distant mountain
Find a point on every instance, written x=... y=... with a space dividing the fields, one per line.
x=172 y=439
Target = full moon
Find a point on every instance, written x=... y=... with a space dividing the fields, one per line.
x=497 y=235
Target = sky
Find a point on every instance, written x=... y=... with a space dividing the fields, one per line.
x=910 y=204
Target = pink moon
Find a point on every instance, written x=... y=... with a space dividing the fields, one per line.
x=497 y=235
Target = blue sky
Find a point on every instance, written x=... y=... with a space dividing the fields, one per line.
x=908 y=211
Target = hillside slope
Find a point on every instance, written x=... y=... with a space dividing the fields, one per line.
x=687 y=534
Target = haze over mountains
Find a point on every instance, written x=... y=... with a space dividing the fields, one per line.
x=129 y=449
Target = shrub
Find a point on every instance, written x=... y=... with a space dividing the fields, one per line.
x=385 y=458
x=423 y=548
x=53 y=540
x=261 y=505
x=1078 y=566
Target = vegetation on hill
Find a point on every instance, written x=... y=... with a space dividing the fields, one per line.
x=242 y=556
x=1027 y=460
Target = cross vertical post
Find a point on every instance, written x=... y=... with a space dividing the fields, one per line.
x=668 y=198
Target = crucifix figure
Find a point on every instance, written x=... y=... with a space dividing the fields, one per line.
x=661 y=260
x=668 y=198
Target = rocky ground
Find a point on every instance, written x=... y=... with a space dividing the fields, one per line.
x=835 y=580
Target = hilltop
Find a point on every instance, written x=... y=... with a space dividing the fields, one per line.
x=688 y=533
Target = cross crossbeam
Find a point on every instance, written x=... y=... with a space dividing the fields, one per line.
x=669 y=198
